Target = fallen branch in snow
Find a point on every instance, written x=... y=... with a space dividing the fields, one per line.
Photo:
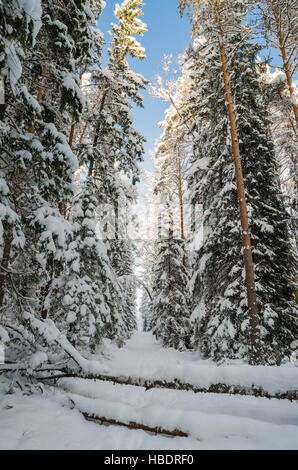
x=178 y=385
x=133 y=425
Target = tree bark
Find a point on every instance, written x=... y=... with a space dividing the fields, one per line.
x=246 y=241
x=4 y=264
x=180 y=194
x=296 y=291
x=285 y=61
x=87 y=122
x=96 y=137
x=73 y=126
x=39 y=94
x=71 y=135
x=180 y=189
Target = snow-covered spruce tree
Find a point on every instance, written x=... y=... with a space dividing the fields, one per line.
x=19 y=25
x=37 y=170
x=145 y=310
x=39 y=165
x=122 y=258
x=170 y=306
x=87 y=291
x=220 y=288
x=53 y=76
x=122 y=246
x=284 y=137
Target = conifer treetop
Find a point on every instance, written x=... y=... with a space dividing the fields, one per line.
x=129 y=26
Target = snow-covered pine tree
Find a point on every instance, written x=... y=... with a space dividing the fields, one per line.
x=220 y=290
x=212 y=17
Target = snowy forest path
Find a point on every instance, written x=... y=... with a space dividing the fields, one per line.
x=143 y=356
x=205 y=417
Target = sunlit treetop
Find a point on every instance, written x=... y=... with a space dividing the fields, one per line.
x=129 y=26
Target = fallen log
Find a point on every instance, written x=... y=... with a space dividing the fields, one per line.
x=133 y=425
x=148 y=384
x=178 y=385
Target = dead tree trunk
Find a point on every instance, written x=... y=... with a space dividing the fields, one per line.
x=246 y=241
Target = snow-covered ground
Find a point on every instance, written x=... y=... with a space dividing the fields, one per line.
x=144 y=357
x=46 y=421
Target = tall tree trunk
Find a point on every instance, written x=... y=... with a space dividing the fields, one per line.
x=293 y=220
x=246 y=241
x=180 y=194
x=73 y=126
x=71 y=135
x=285 y=61
x=96 y=136
x=87 y=121
x=180 y=189
x=4 y=264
